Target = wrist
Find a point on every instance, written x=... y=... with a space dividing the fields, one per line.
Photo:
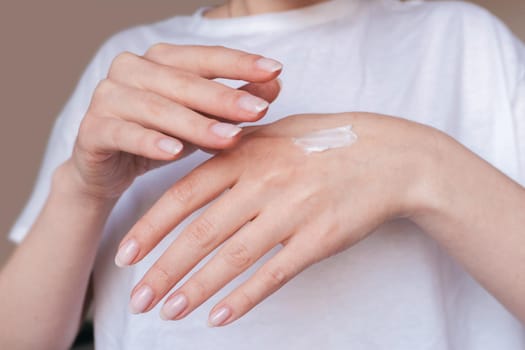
x=427 y=190
x=68 y=183
x=437 y=179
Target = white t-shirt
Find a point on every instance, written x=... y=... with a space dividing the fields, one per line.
x=447 y=64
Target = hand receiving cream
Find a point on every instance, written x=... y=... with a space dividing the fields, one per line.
x=322 y=140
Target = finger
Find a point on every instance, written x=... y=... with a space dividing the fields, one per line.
x=215 y=62
x=196 y=241
x=108 y=135
x=286 y=264
x=188 y=89
x=268 y=91
x=161 y=114
x=237 y=254
x=200 y=186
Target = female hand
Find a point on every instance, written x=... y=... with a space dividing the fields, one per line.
x=145 y=109
x=315 y=205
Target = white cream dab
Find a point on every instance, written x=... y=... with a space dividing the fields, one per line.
x=322 y=140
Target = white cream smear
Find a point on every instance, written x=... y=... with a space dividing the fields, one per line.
x=322 y=140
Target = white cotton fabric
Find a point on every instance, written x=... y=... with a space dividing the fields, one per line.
x=447 y=64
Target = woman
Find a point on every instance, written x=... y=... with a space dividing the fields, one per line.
x=388 y=233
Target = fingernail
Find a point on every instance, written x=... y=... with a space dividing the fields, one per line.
x=219 y=316
x=170 y=146
x=252 y=104
x=127 y=253
x=173 y=307
x=141 y=300
x=269 y=65
x=225 y=130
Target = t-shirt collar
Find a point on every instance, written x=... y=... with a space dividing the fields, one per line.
x=272 y=22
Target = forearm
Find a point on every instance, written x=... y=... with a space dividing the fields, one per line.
x=478 y=215
x=43 y=285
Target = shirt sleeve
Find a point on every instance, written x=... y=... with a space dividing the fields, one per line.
x=518 y=105
x=519 y=121
x=59 y=146
x=512 y=62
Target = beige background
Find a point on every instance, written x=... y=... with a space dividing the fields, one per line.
x=45 y=47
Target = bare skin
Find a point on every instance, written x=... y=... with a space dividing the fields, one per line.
x=280 y=195
x=82 y=195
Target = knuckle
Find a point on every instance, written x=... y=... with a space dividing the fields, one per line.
x=275 y=277
x=181 y=80
x=156 y=105
x=198 y=288
x=245 y=60
x=146 y=228
x=158 y=50
x=160 y=275
x=104 y=87
x=124 y=58
x=201 y=233
x=118 y=137
x=85 y=131
x=144 y=142
x=246 y=300
x=87 y=126
x=103 y=90
x=121 y=62
x=237 y=255
x=183 y=192
x=209 y=59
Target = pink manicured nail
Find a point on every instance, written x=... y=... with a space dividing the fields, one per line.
x=252 y=104
x=127 y=253
x=225 y=130
x=219 y=316
x=173 y=307
x=170 y=146
x=269 y=65
x=141 y=299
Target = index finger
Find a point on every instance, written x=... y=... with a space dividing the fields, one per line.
x=193 y=191
x=216 y=62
